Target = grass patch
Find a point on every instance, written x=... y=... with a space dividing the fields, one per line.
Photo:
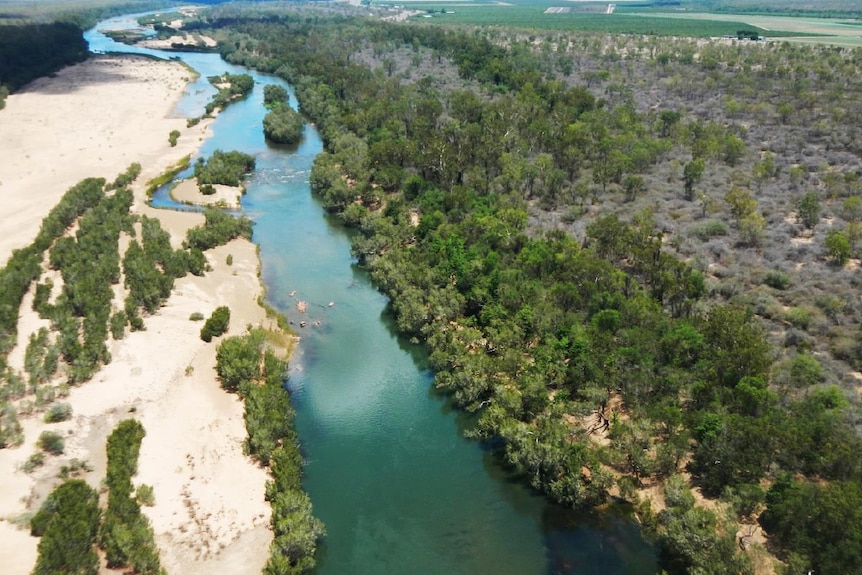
x=168 y=175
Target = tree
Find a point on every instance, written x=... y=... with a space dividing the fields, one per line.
x=216 y=324
x=238 y=361
x=692 y=174
x=68 y=522
x=274 y=95
x=752 y=229
x=283 y=125
x=741 y=203
x=821 y=523
x=838 y=247
x=808 y=210
x=765 y=169
x=633 y=186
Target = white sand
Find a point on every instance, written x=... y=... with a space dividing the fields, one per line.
x=188 y=192
x=210 y=516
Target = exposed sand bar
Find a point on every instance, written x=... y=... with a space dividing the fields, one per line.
x=210 y=516
x=92 y=119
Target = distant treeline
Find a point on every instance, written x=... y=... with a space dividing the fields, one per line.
x=30 y=51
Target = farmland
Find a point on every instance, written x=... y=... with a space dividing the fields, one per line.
x=632 y=19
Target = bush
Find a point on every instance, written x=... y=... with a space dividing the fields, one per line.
x=709 y=230
x=217 y=324
x=145 y=495
x=196 y=316
x=11 y=433
x=173 y=137
x=118 y=325
x=51 y=442
x=33 y=462
x=778 y=280
x=58 y=412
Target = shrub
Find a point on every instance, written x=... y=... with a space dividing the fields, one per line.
x=196 y=316
x=217 y=324
x=51 y=442
x=118 y=325
x=33 y=462
x=11 y=433
x=173 y=137
x=777 y=279
x=58 y=412
x=145 y=495
x=709 y=230
x=74 y=467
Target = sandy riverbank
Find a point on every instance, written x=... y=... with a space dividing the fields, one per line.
x=95 y=119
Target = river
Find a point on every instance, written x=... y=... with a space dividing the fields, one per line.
x=387 y=468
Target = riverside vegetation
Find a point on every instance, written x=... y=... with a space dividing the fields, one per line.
x=249 y=366
x=608 y=247
x=71 y=524
x=79 y=243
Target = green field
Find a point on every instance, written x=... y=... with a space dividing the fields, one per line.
x=630 y=18
x=534 y=17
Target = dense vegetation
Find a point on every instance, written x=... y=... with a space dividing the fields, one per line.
x=82 y=311
x=226 y=168
x=282 y=125
x=68 y=523
x=125 y=533
x=569 y=224
x=219 y=228
x=30 y=51
x=216 y=324
x=231 y=87
x=71 y=524
x=248 y=366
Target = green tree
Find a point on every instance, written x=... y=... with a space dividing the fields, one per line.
x=752 y=229
x=238 y=361
x=741 y=203
x=216 y=324
x=838 y=247
x=283 y=125
x=274 y=95
x=633 y=186
x=808 y=210
x=691 y=175
x=68 y=523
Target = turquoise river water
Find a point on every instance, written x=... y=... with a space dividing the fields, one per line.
x=388 y=471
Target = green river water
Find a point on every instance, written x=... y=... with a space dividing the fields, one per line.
x=387 y=468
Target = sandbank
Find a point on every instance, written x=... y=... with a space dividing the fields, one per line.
x=187 y=192
x=94 y=119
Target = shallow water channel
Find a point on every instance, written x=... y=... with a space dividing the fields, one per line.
x=388 y=471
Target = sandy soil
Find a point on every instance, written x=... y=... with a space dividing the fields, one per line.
x=209 y=516
x=225 y=196
x=187 y=39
